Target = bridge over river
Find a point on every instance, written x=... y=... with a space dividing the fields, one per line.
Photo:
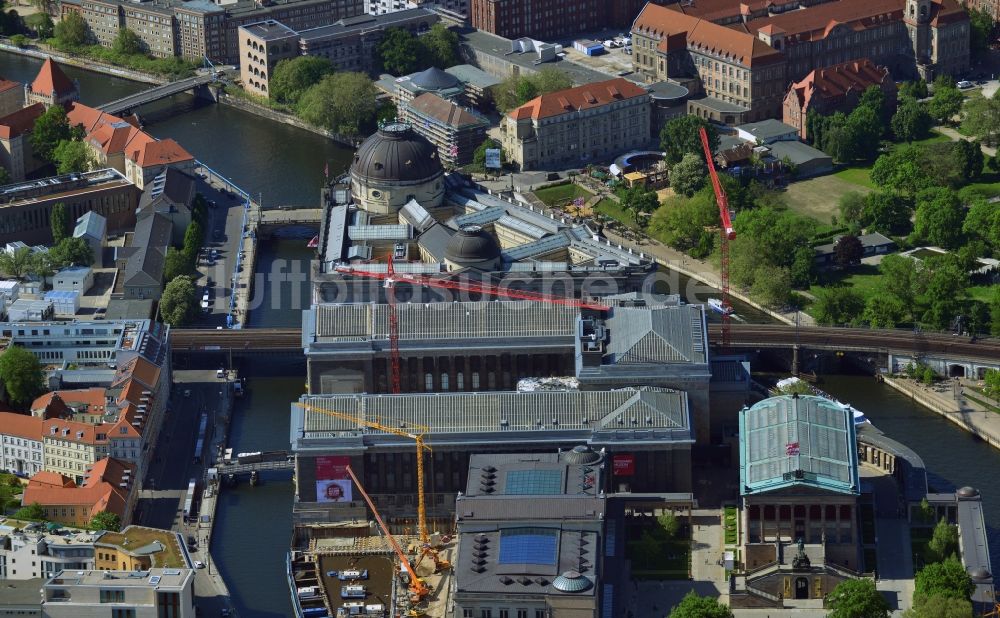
x=197 y=83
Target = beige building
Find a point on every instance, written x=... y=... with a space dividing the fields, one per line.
x=262 y=46
x=156 y=593
x=71 y=447
x=154 y=25
x=577 y=126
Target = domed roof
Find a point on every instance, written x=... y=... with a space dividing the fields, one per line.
x=571 y=581
x=396 y=153
x=582 y=454
x=435 y=79
x=471 y=245
x=967 y=492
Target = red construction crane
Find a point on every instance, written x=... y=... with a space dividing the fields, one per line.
x=391 y=278
x=728 y=233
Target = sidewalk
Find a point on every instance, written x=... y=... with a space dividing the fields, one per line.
x=954 y=405
x=954 y=136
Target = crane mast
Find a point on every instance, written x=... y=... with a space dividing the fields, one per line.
x=727 y=233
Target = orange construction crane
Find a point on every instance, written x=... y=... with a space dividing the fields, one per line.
x=728 y=233
x=415 y=433
x=391 y=278
x=417 y=587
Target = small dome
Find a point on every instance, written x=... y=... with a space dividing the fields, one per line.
x=396 y=153
x=980 y=574
x=582 y=454
x=967 y=492
x=471 y=245
x=435 y=79
x=571 y=581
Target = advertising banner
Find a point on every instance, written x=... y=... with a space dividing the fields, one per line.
x=493 y=158
x=623 y=464
x=332 y=482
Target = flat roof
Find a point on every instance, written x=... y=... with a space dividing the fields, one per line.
x=163 y=578
x=501 y=48
x=21 y=592
x=366 y=22
x=269 y=30
x=719 y=105
x=667 y=91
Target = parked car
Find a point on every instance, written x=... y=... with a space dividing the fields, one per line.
x=964 y=84
x=219 y=373
x=198 y=564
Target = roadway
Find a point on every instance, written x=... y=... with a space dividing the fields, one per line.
x=155 y=94
x=743 y=336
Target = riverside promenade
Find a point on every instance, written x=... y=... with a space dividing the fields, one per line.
x=957 y=402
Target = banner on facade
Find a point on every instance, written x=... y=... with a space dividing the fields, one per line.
x=332 y=481
x=493 y=158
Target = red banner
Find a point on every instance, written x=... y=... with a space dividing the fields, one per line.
x=332 y=482
x=623 y=465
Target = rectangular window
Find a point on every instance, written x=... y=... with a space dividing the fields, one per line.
x=112 y=596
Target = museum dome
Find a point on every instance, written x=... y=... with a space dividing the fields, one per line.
x=571 y=581
x=472 y=245
x=435 y=79
x=396 y=153
x=582 y=454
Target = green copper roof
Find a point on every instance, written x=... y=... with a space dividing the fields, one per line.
x=791 y=441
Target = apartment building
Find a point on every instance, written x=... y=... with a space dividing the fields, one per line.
x=550 y=19
x=456 y=131
x=21 y=448
x=26 y=554
x=835 y=88
x=572 y=127
x=349 y=44
x=742 y=72
x=154 y=25
x=155 y=593
x=70 y=447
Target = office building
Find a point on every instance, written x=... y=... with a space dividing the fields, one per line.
x=742 y=72
x=569 y=128
x=547 y=20
x=142 y=594
x=34 y=551
x=171 y=194
x=142 y=262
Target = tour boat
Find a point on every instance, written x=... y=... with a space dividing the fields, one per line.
x=718 y=306
x=783 y=386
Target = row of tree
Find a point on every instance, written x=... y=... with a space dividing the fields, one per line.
x=103 y=520
x=400 y=52
x=183 y=261
x=518 y=89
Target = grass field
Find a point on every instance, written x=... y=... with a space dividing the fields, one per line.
x=730 y=520
x=817 y=198
x=139 y=536
x=859 y=176
x=560 y=194
x=863 y=279
x=610 y=208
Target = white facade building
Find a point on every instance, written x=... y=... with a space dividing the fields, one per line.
x=26 y=555
x=73 y=279
x=21 y=447
x=136 y=594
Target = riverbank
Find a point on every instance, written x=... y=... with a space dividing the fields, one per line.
x=954 y=406
x=289 y=119
x=83 y=63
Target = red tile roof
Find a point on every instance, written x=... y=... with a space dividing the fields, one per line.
x=52 y=479
x=72 y=431
x=445 y=111
x=88 y=117
x=579 y=98
x=101 y=489
x=832 y=83
x=52 y=81
x=817 y=21
x=6 y=84
x=162 y=152
x=21 y=121
x=140 y=369
x=86 y=400
x=21 y=426
x=701 y=34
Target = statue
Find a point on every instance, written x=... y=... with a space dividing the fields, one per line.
x=801 y=560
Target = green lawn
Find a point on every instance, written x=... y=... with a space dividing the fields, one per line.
x=863 y=279
x=610 y=208
x=561 y=194
x=860 y=176
x=981 y=292
x=933 y=138
x=730 y=519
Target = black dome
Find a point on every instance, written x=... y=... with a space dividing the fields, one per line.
x=396 y=153
x=435 y=79
x=582 y=454
x=471 y=245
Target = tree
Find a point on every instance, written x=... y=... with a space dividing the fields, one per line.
x=51 y=128
x=550 y=79
x=525 y=90
x=886 y=212
x=441 y=45
x=519 y=89
x=982 y=221
x=905 y=169
x=939 y=217
x=940 y=607
x=944 y=541
x=872 y=98
x=802 y=267
x=342 y=102
x=694 y=606
x=857 y=598
x=15 y=264
x=42 y=24
x=680 y=136
x=639 y=201
x=913 y=90
x=992 y=383
x=105 y=520
x=72 y=30
x=194 y=237
x=19 y=40
x=911 y=121
x=72 y=156
x=32 y=512
x=177 y=303
x=772 y=285
x=40 y=265
x=883 y=311
x=59 y=222
x=848 y=251
x=838 y=305
x=688 y=174
x=71 y=252
x=865 y=128
x=851 y=205
x=899 y=278
x=292 y=77
x=946 y=103
x=669 y=524
x=21 y=374
x=399 y=52
x=176 y=264
x=980 y=29
x=946 y=579
x=968 y=158
x=982 y=119
x=686 y=224
x=127 y=43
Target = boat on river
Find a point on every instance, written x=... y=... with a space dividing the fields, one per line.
x=716 y=304
x=796 y=385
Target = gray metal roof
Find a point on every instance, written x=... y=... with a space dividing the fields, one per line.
x=416 y=215
x=459 y=320
x=644 y=414
x=469 y=74
x=797 y=152
x=798 y=440
x=665 y=334
x=434 y=241
x=90 y=224
x=498 y=475
x=151 y=239
x=398 y=231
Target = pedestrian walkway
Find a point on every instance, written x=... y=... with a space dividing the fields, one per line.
x=954 y=136
x=955 y=402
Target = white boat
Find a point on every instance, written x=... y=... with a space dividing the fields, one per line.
x=794 y=384
x=718 y=306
